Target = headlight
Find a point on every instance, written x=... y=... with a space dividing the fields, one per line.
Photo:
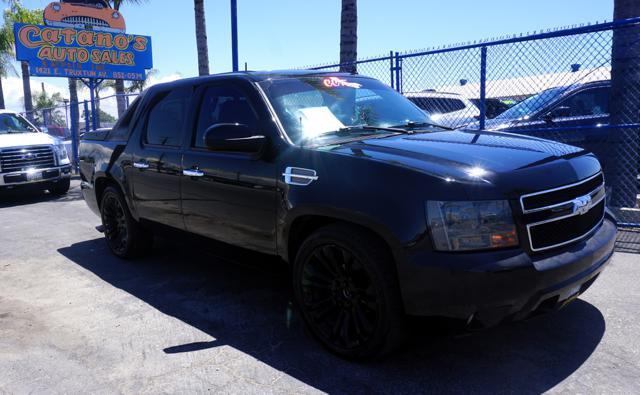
x=61 y=154
x=479 y=225
x=115 y=15
x=56 y=7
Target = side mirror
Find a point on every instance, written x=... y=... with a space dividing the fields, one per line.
x=558 y=112
x=233 y=137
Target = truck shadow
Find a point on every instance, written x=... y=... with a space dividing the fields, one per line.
x=28 y=195
x=243 y=302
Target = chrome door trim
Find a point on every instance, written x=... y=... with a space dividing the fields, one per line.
x=193 y=172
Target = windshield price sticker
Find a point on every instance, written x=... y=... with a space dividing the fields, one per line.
x=336 y=82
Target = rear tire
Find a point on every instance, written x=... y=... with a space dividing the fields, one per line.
x=61 y=187
x=125 y=237
x=346 y=287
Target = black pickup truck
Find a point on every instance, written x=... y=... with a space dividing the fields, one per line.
x=380 y=212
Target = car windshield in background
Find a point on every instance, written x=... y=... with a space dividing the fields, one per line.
x=328 y=108
x=10 y=123
x=529 y=107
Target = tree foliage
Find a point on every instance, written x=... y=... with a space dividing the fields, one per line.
x=17 y=13
x=48 y=110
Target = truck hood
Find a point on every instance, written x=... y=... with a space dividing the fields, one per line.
x=24 y=139
x=495 y=124
x=478 y=157
x=503 y=124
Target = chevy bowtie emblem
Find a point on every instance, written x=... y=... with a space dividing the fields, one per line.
x=582 y=204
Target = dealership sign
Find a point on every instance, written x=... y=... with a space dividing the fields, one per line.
x=82 y=53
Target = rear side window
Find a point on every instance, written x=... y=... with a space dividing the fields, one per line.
x=223 y=104
x=166 y=118
x=588 y=102
x=438 y=105
x=121 y=129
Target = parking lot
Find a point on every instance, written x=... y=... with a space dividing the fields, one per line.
x=202 y=318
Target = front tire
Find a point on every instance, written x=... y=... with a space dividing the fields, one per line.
x=125 y=237
x=346 y=287
x=61 y=187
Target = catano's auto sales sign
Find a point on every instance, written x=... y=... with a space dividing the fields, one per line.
x=80 y=53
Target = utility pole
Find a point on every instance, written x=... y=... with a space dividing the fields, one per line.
x=234 y=35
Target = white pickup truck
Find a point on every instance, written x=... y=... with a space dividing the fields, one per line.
x=31 y=157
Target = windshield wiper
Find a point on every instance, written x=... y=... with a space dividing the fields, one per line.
x=413 y=125
x=373 y=128
x=346 y=131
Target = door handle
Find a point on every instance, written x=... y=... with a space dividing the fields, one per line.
x=193 y=172
x=141 y=165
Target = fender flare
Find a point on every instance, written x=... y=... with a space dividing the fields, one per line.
x=332 y=214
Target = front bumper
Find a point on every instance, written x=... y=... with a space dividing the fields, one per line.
x=489 y=287
x=50 y=174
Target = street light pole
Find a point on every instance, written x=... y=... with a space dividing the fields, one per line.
x=234 y=34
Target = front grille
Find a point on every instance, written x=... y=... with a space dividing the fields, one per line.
x=563 y=215
x=565 y=230
x=85 y=20
x=24 y=158
x=536 y=201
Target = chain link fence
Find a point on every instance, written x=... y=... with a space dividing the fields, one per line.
x=577 y=85
x=58 y=121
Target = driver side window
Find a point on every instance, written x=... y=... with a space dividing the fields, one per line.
x=587 y=102
x=223 y=105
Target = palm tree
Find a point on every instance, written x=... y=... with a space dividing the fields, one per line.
x=201 y=38
x=74 y=110
x=623 y=106
x=349 y=36
x=121 y=98
x=140 y=85
x=119 y=84
x=16 y=13
x=97 y=89
x=6 y=62
x=48 y=110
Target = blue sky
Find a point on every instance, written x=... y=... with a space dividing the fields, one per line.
x=275 y=34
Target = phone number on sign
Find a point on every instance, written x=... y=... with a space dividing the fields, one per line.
x=128 y=76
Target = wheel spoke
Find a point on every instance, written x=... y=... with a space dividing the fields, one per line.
x=319 y=278
x=363 y=321
x=338 y=325
x=339 y=297
x=326 y=264
x=335 y=256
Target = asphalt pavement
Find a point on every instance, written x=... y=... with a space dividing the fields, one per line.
x=196 y=317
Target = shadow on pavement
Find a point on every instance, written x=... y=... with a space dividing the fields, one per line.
x=628 y=240
x=243 y=304
x=24 y=195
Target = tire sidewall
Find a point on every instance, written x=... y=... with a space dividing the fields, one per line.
x=375 y=345
x=61 y=187
x=112 y=192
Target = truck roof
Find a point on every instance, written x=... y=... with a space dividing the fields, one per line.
x=257 y=76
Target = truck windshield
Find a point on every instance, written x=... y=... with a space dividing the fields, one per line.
x=529 y=107
x=326 y=108
x=10 y=123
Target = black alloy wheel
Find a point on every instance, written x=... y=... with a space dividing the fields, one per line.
x=114 y=220
x=346 y=288
x=125 y=237
x=339 y=297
